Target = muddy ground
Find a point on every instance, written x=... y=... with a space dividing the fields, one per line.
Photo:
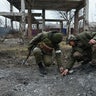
x=25 y=80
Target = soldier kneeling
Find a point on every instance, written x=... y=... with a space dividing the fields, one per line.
x=42 y=46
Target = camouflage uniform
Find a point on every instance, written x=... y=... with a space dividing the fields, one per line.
x=43 y=45
x=82 y=51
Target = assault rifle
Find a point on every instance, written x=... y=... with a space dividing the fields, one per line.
x=26 y=57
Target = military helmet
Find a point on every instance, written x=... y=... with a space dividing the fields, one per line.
x=57 y=37
x=72 y=38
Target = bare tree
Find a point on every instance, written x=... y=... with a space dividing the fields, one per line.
x=68 y=17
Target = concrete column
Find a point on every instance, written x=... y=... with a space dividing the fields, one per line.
x=23 y=16
x=76 y=22
x=43 y=21
x=38 y=27
x=61 y=26
x=29 y=18
x=5 y=22
x=11 y=10
x=86 y=15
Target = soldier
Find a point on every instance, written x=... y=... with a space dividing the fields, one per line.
x=42 y=46
x=81 y=49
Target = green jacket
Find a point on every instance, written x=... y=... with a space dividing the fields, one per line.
x=46 y=38
x=81 y=46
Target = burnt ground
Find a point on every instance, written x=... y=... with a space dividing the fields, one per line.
x=25 y=80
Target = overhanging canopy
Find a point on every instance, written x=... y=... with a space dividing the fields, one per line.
x=62 y=5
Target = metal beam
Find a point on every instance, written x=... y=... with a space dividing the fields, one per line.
x=53 y=20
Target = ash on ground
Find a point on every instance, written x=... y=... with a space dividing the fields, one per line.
x=25 y=80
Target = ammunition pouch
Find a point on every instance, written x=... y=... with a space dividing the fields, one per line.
x=45 y=48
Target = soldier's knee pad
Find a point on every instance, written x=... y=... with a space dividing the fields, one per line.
x=37 y=51
x=38 y=55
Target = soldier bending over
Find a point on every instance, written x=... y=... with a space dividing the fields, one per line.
x=81 y=49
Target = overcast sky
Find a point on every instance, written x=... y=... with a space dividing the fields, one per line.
x=92 y=10
x=4 y=7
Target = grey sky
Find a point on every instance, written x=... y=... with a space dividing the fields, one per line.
x=92 y=10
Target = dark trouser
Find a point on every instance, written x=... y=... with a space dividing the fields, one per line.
x=44 y=58
x=85 y=56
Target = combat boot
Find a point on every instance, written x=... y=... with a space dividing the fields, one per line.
x=86 y=61
x=42 y=68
